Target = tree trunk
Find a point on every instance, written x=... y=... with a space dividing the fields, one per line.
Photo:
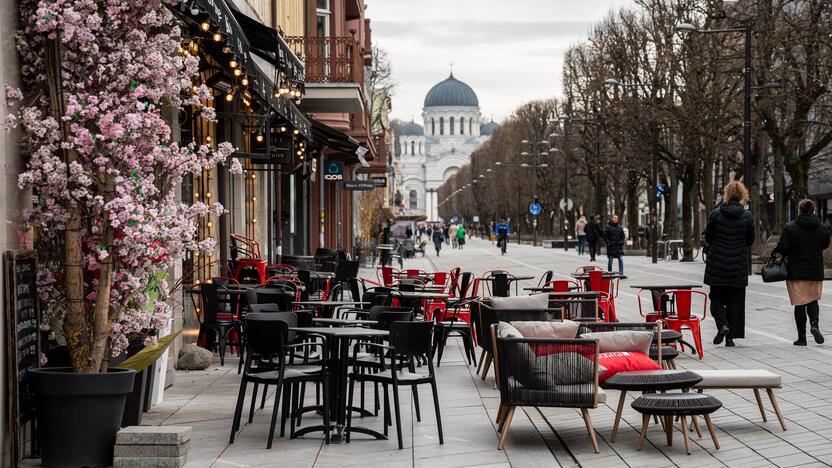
x=671 y=204
x=632 y=207
x=688 y=195
x=102 y=319
x=780 y=201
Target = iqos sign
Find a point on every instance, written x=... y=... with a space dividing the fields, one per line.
x=333 y=171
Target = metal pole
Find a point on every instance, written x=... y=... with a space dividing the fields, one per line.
x=654 y=174
x=536 y=150
x=746 y=121
x=321 y=199
x=565 y=185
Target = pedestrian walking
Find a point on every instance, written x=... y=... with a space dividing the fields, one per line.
x=446 y=231
x=614 y=237
x=729 y=234
x=452 y=233
x=802 y=243
x=438 y=240
x=409 y=232
x=460 y=236
x=580 y=231
x=593 y=236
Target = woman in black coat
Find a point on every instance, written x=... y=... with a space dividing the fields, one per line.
x=438 y=240
x=802 y=243
x=729 y=234
x=614 y=238
x=593 y=235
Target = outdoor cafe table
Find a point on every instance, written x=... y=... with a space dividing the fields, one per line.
x=502 y=282
x=336 y=322
x=656 y=291
x=326 y=306
x=338 y=342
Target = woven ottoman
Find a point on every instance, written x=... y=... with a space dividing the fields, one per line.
x=669 y=405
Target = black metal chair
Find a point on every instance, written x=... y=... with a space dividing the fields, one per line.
x=268 y=344
x=546 y=278
x=449 y=324
x=566 y=378
x=408 y=340
x=219 y=315
x=282 y=297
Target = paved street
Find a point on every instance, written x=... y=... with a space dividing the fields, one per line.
x=549 y=437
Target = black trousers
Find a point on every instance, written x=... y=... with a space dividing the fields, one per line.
x=728 y=309
x=593 y=248
x=800 y=312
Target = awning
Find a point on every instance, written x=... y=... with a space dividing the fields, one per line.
x=267 y=43
x=339 y=141
x=264 y=86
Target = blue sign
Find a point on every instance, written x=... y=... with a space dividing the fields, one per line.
x=334 y=170
x=535 y=208
x=661 y=190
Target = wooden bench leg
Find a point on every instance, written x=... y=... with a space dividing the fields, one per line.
x=760 y=404
x=618 y=415
x=712 y=431
x=685 y=434
x=645 y=423
x=506 y=426
x=776 y=408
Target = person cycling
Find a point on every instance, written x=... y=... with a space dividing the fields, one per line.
x=502 y=230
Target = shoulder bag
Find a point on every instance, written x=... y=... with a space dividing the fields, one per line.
x=776 y=270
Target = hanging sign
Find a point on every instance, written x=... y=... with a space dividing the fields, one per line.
x=359 y=185
x=333 y=171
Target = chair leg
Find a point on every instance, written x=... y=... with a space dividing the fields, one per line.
x=618 y=412
x=488 y=359
x=479 y=365
x=590 y=429
x=438 y=413
x=301 y=398
x=776 y=408
x=221 y=347
x=263 y=400
x=711 y=430
x=293 y=409
x=327 y=421
x=500 y=410
x=238 y=412
x=416 y=403
x=645 y=423
x=253 y=402
x=697 y=338
x=274 y=413
x=760 y=404
x=387 y=421
x=685 y=434
x=284 y=414
x=442 y=338
x=509 y=414
x=397 y=410
x=349 y=413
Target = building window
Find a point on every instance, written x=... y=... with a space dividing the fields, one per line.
x=322 y=18
x=413 y=200
x=470 y=126
x=432 y=126
x=412 y=146
x=441 y=125
x=452 y=125
x=462 y=125
x=420 y=147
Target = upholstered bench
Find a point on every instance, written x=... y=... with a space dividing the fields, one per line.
x=755 y=379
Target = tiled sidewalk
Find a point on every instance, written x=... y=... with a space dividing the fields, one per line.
x=546 y=437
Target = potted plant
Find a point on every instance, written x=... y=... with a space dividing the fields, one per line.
x=98 y=79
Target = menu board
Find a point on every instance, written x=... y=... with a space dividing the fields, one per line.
x=22 y=340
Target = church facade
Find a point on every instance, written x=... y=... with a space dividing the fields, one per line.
x=431 y=153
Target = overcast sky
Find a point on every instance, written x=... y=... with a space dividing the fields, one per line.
x=509 y=51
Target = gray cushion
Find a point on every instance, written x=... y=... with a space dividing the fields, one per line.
x=536 y=301
x=738 y=378
x=536 y=329
x=622 y=341
x=507 y=330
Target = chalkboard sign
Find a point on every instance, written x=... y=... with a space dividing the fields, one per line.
x=22 y=340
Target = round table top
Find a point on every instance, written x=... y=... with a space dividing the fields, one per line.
x=665 y=287
x=606 y=274
x=670 y=336
x=676 y=404
x=342 y=332
x=343 y=322
x=653 y=380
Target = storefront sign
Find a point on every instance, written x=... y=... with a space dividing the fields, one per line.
x=333 y=171
x=379 y=181
x=359 y=185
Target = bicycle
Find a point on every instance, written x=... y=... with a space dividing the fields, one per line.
x=502 y=243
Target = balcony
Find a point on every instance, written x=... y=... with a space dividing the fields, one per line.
x=334 y=73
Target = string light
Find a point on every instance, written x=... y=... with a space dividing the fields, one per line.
x=196 y=195
x=232 y=63
x=229 y=97
x=208 y=138
x=253 y=198
x=237 y=72
x=254 y=176
x=217 y=37
x=296 y=131
x=254 y=220
x=206 y=25
x=259 y=138
x=282 y=129
x=208 y=195
x=245 y=82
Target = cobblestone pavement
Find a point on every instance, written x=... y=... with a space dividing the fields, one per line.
x=549 y=437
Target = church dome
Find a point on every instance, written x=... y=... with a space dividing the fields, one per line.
x=412 y=129
x=451 y=92
x=489 y=128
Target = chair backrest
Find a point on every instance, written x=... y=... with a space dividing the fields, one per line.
x=280 y=269
x=563 y=286
x=588 y=268
x=354 y=285
x=386 y=317
x=683 y=300
x=216 y=301
x=409 y=284
x=576 y=306
x=279 y=296
x=440 y=278
x=411 y=338
x=488 y=316
x=546 y=278
x=346 y=269
x=378 y=296
x=266 y=334
x=415 y=273
x=465 y=280
x=570 y=378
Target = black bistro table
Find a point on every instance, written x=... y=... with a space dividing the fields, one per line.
x=650 y=381
x=327 y=306
x=337 y=322
x=338 y=343
x=501 y=282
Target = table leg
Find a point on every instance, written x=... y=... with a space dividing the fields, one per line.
x=685 y=434
x=668 y=428
x=618 y=415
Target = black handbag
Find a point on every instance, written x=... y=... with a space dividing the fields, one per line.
x=776 y=270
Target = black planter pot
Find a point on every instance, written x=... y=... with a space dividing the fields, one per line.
x=79 y=414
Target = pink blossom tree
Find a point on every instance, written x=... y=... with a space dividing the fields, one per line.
x=104 y=166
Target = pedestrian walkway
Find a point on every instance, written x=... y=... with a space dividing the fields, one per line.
x=546 y=437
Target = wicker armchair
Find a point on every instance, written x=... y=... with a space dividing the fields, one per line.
x=560 y=373
x=483 y=316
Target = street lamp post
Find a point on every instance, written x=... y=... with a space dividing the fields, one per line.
x=747 y=30
x=534 y=146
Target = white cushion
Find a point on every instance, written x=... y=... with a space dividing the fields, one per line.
x=564 y=329
x=738 y=378
x=506 y=330
x=602 y=395
x=536 y=301
x=622 y=341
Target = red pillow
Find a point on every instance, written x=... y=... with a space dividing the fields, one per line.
x=616 y=362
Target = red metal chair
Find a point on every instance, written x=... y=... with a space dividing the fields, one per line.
x=385 y=275
x=651 y=316
x=563 y=285
x=415 y=273
x=684 y=318
x=608 y=287
x=587 y=269
x=439 y=278
x=252 y=265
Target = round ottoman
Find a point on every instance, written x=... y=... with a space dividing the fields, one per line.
x=683 y=405
x=668 y=355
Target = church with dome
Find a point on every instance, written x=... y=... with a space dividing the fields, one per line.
x=431 y=153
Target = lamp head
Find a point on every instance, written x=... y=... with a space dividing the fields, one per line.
x=611 y=82
x=686 y=28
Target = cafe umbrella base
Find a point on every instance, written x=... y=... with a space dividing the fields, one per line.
x=79 y=414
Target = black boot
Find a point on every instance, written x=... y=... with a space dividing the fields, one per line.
x=813 y=311
x=801 y=340
x=729 y=343
x=721 y=334
x=800 y=322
